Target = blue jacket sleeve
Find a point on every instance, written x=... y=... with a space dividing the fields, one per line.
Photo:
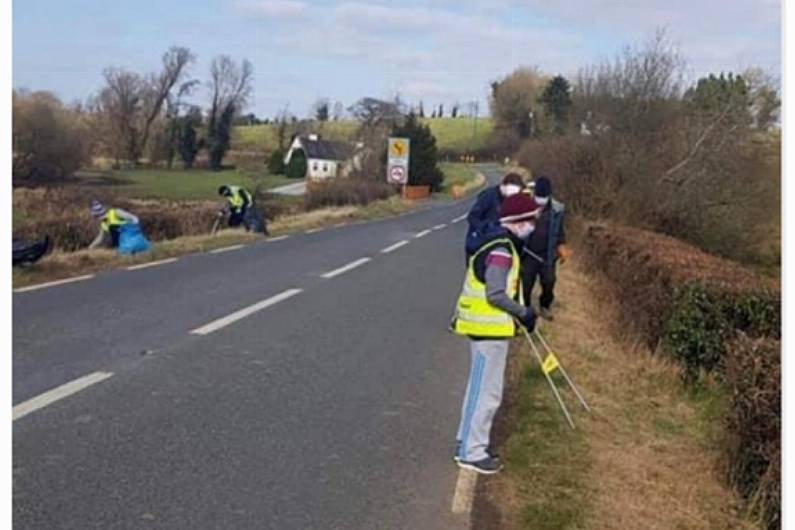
x=484 y=215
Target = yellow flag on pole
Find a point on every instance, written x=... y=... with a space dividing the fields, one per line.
x=550 y=364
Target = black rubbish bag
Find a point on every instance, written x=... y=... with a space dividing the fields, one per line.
x=24 y=252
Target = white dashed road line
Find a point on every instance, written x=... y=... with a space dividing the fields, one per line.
x=459 y=218
x=277 y=238
x=215 y=325
x=51 y=396
x=464 y=492
x=394 y=247
x=439 y=227
x=52 y=284
x=313 y=230
x=226 y=249
x=345 y=268
x=422 y=234
x=151 y=264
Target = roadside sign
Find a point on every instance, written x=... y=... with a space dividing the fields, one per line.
x=397 y=171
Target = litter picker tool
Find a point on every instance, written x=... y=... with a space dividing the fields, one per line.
x=547 y=367
x=562 y=370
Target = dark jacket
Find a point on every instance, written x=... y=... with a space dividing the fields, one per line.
x=484 y=219
x=549 y=233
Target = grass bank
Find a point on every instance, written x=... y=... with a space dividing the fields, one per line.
x=460 y=179
x=177 y=184
x=647 y=458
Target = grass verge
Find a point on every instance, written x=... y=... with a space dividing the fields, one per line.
x=460 y=179
x=647 y=458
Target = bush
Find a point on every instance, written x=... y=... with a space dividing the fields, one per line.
x=703 y=321
x=47 y=139
x=276 y=163
x=342 y=192
x=753 y=445
x=296 y=168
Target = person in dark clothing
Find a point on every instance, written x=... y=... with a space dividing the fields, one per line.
x=484 y=217
x=544 y=248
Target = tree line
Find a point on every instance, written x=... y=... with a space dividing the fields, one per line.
x=133 y=116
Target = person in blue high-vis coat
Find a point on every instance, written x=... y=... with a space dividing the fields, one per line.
x=484 y=217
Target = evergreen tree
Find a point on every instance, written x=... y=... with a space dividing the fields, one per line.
x=556 y=100
x=423 y=155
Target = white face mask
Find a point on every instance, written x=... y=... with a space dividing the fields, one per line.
x=509 y=189
x=541 y=201
x=524 y=230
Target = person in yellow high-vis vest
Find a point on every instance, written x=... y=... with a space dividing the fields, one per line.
x=238 y=200
x=110 y=222
x=488 y=309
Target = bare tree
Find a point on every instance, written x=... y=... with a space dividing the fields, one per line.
x=231 y=86
x=131 y=103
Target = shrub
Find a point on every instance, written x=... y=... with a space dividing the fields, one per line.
x=296 y=168
x=276 y=163
x=47 y=139
x=753 y=426
x=341 y=192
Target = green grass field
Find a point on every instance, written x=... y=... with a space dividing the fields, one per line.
x=460 y=135
x=178 y=184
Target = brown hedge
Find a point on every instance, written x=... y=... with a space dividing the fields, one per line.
x=647 y=268
x=753 y=425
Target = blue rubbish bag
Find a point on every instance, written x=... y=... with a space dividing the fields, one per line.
x=132 y=240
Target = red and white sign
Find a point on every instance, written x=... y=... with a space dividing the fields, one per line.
x=397 y=174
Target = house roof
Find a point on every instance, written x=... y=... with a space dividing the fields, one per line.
x=326 y=150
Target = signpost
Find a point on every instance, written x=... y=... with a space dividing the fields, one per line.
x=397 y=168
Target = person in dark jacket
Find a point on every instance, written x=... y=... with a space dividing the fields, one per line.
x=484 y=217
x=544 y=248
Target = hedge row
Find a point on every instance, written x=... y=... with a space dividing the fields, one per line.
x=711 y=315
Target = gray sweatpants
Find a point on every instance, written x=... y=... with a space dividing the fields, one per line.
x=483 y=397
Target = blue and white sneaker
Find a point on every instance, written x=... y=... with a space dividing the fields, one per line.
x=487 y=466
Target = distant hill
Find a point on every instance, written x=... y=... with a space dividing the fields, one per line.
x=458 y=135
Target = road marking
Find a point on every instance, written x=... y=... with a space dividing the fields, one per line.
x=243 y=313
x=53 y=283
x=459 y=218
x=345 y=268
x=51 y=396
x=439 y=227
x=464 y=492
x=226 y=249
x=422 y=234
x=277 y=238
x=313 y=230
x=396 y=246
x=151 y=264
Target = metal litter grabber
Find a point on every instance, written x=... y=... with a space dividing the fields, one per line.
x=547 y=367
x=562 y=370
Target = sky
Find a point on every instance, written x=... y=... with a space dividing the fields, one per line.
x=437 y=51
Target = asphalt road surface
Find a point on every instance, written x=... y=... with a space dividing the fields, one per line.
x=305 y=382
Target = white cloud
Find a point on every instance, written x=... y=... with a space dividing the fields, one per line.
x=274 y=8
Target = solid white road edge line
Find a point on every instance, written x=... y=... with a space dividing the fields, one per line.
x=464 y=492
x=345 y=268
x=226 y=249
x=396 y=246
x=151 y=264
x=53 y=283
x=217 y=324
x=57 y=393
x=277 y=238
x=422 y=234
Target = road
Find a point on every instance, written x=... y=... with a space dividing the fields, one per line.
x=307 y=382
x=298 y=188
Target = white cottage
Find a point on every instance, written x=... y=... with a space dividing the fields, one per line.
x=324 y=159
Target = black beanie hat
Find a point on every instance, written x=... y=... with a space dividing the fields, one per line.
x=543 y=187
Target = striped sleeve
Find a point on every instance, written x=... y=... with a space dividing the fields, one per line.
x=499 y=257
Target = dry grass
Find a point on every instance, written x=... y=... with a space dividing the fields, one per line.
x=647 y=459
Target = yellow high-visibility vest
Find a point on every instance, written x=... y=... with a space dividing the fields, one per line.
x=236 y=201
x=475 y=316
x=111 y=219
